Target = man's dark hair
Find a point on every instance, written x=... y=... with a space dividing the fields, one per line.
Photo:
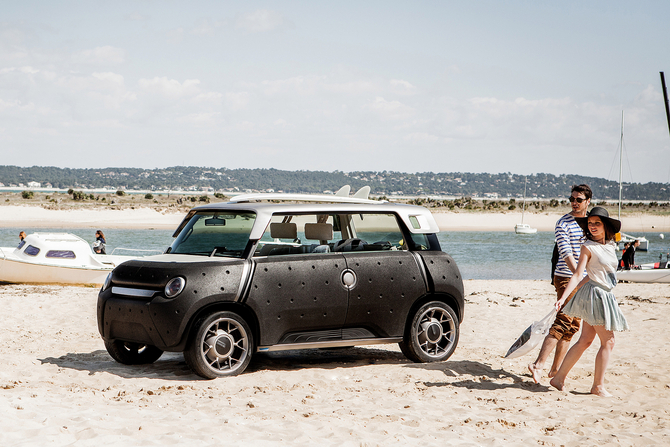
x=584 y=189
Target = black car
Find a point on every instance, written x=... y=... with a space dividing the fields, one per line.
x=245 y=277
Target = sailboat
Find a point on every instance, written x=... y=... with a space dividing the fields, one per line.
x=658 y=272
x=644 y=242
x=523 y=228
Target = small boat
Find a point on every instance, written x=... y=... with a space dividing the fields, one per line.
x=660 y=275
x=644 y=242
x=55 y=258
x=657 y=272
x=523 y=228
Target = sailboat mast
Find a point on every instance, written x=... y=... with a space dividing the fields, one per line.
x=523 y=207
x=665 y=97
x=620 y=166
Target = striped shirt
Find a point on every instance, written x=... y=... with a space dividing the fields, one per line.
x=568 y=236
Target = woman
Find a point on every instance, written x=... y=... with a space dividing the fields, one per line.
x=99 y=244
x=594 y=302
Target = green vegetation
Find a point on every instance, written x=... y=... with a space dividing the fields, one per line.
x=187 y=179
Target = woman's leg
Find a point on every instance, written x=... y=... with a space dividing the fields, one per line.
x=602 y=359
x=573 y=355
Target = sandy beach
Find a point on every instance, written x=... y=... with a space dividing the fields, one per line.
x=58 y=385
x=35 y=216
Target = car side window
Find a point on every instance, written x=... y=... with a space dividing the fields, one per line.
x=298 y=235
x=328 y=233
x=378 y=232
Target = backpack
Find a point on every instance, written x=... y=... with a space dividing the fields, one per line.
x=554 y=261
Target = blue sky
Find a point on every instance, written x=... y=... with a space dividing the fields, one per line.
x=478 y=86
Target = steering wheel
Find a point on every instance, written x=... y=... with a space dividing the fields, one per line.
x=351 y=242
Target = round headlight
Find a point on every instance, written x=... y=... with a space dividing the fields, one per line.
x=107 y=282
x=174 y=287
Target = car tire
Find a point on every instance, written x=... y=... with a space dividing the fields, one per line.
x=130 y=353
x=431 y=334
x=221 y=345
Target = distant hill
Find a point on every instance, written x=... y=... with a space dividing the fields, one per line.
x=460 y=184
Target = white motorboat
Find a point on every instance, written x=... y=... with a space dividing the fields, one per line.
x=523 y=228
x=660 y=275
x=55 y=258
x=644 y=242
x=658 y=272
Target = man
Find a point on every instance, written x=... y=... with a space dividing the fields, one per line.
x=628 y=257
x=568 y=236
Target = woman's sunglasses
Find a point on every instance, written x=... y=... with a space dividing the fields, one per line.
x=576 y=199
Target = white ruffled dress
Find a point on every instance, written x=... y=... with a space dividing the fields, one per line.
x=594 y=302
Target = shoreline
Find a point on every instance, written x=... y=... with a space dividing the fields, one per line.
x=145 y=218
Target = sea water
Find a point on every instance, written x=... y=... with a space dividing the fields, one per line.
x=479 y=254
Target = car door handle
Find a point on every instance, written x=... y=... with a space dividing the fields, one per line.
x=348 y=278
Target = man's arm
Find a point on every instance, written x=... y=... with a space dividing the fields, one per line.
x=564 y=247
x=570 y=262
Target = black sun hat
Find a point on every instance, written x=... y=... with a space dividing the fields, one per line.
x=604 y=216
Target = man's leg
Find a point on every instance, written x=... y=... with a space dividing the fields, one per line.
x=537 y=366
x=551 y=341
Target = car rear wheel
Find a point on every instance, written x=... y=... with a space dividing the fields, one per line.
x=221 y=345
x=130 y=353
x=432 y=333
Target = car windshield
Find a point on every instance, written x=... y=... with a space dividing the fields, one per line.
x=210 y=233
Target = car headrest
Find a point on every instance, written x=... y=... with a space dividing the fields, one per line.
x=319 y=231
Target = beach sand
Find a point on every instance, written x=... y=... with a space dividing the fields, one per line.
x=34 y=216
x=58 y=385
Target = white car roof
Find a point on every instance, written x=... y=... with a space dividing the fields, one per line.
x=416 y=218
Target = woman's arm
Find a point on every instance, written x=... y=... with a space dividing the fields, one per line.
x=576 y=281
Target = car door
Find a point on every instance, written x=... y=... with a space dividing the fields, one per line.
x=387 y=284
x=296 y=289
x=387 y=276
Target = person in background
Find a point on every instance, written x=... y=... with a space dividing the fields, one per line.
x=100 y=242
x=625 y=247
x=568 y=236
x=593 y=301
x=628 y=257
x=22 y=236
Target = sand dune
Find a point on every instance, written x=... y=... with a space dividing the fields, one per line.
x=58 y=386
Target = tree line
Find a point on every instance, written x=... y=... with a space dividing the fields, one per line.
x=458 y=184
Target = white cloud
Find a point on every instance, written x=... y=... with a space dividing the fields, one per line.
x=209 y=97
x=169 y=87
x=402 y=86
x=204 y=28
x=136 y=16
x=394 y=109
x=237 y=100
x=110 y=77
x=262 y=20
x=200 y=119
x=106 y=55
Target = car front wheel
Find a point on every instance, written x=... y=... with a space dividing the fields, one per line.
x=221 y=345
x=431 y=334
x=130 y=353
